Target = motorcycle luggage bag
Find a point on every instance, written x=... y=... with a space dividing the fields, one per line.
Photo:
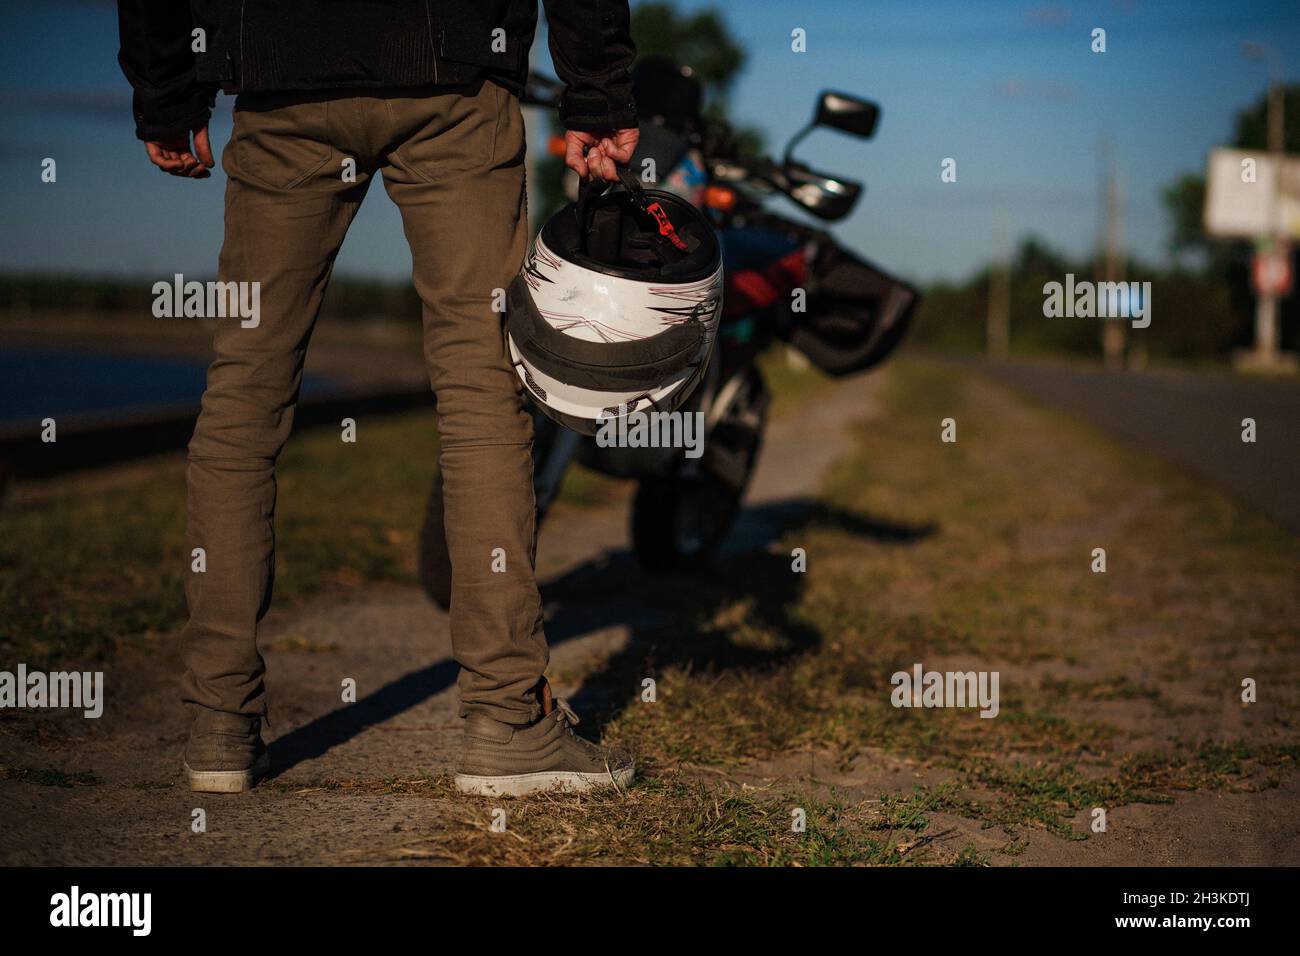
x=856 y=314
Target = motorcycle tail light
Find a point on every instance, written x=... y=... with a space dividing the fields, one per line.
x=720 y=198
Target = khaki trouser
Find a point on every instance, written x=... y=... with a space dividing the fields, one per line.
x=453 y=161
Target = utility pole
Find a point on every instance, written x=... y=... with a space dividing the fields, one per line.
x=999 y=318
x=1112 y=264
x=1265 y=355
x=998 y=324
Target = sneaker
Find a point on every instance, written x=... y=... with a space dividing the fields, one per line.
x=503 y=760
x=225 y=753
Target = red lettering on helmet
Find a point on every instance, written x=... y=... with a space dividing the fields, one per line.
x=666 y=227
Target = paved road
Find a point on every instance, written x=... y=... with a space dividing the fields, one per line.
x=1192 y=418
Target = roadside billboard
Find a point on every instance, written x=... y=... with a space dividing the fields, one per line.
x=1245 y=197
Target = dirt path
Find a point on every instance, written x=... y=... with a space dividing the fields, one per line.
x=396 y=646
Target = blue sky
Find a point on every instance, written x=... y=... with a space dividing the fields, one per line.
x=1010 y=90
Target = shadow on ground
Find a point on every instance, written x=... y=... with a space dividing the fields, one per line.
x=666 y=618
x=669 y=617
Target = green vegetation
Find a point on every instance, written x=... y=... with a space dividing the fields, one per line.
x=984 y=562
x=88 y=563
x=670 y=819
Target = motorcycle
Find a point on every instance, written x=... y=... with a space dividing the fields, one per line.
x=785 y=281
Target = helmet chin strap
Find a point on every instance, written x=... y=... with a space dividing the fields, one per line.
x=653 y=209
x=670 y=244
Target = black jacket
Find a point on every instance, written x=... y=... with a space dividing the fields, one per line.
x=260 y=45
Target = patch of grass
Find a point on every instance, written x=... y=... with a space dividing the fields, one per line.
x=746 y=690
x=584 y=488
x=669 y=819
x=298 y=644
x=90 y=567
x=1209 y=766
x=970 y=856
x=1112 y=687
x=908 y=811
x=1046 y=795
x=976 y=556
x=76 y=572
x=793 y=381
x=50 y=777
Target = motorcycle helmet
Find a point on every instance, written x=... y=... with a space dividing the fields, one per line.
x=616 y=308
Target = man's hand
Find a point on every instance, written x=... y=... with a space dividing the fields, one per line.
x=594 y=155
x=176 y=157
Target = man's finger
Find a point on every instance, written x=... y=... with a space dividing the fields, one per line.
x=573 y=157
x=620 y=154
x=203 y=148
x=607 y=168
x=193 y=166
x=162 y=158
x=596 y=163
x=177 y=158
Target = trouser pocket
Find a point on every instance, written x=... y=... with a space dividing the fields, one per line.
x=280 y=139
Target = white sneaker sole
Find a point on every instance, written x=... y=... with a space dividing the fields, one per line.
x=551 y=781
x=227 y=781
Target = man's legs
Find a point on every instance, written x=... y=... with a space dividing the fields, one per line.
x=456 y=171
x=287 y=211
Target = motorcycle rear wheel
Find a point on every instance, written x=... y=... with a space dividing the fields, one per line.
x=679 y=521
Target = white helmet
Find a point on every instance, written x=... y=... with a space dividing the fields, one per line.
x=616 y=308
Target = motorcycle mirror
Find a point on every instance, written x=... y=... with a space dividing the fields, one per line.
x=823 y=196
x=848 y=114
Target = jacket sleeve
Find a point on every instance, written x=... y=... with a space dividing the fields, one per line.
x=591 y=47
x=157 y=59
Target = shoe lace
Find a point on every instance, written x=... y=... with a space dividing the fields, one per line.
x=566 y=712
